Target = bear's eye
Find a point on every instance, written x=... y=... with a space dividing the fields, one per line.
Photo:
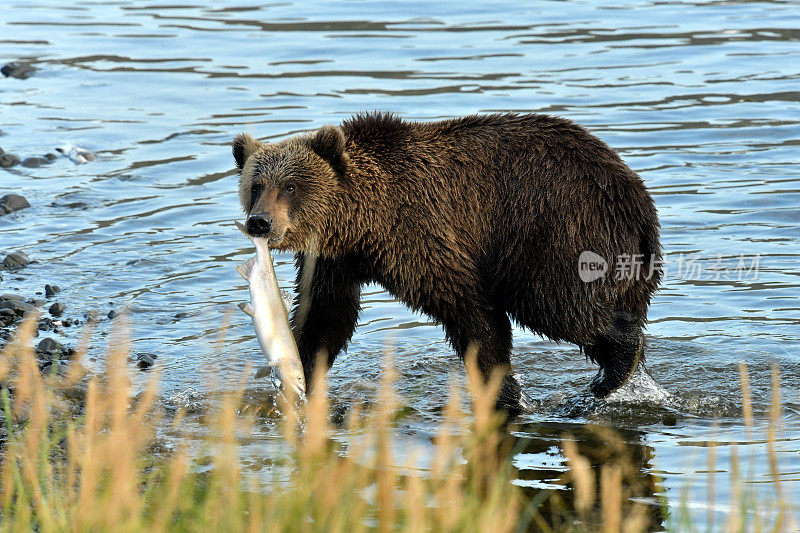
x=289 y=189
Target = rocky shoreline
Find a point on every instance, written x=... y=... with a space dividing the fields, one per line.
x=56 y=361
x=55 y=317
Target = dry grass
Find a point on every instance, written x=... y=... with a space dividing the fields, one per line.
x=91 y=469
x=94 y=473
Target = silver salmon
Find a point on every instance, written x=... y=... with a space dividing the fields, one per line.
x=270 y=317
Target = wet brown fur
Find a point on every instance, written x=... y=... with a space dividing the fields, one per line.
x=472 y=221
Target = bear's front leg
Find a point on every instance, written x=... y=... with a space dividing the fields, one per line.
x=490 y=334
x=326 y=310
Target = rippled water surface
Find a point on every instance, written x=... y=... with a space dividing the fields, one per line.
x=700 y=98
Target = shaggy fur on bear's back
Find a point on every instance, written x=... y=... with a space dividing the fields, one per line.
x=501 y=205
x=471 y=221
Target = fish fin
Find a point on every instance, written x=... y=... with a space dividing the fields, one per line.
x=247 y=308
x=242 y=229
x=263 y=371
x=288 y=300
x=245 y=268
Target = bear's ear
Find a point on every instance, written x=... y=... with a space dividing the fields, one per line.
x=328 y=143
x=243 y=147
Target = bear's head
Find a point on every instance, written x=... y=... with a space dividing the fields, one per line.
x=288 y=188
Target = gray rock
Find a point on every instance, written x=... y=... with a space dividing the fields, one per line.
x=13 y=202
x=77 y=391
x=57 y=309
x=18 y=69
x=19 y=307
x=56 y=369
x=15 y=260
x=8 y=160
x=8 y=317
x=12 y=297
x=49 y=345
x=50 y=156
x=112 y=314
x=91 y=316
x=145 y=360
x=33 y=162
x=51 y=290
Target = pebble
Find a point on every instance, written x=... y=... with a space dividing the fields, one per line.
x=8 y=160
x=15 y=260
x=50 y=156
x=55 y=369
x=57 y=309
x=76 y=154
x=17 y=69
x=112 y=314
x=12 y=202
x=49 y=345
x=33 y=162
x=7 y=317
x=144 y=360
x=91 y=316
x=51 y=290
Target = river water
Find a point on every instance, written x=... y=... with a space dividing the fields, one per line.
x=700 y=98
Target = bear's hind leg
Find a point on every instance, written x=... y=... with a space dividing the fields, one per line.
x=618 y=352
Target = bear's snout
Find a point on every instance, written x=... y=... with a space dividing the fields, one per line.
x=259 y=224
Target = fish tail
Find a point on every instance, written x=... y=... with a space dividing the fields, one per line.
x=245 y=268
x=242 y=229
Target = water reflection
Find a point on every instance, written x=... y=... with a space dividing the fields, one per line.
x=540 y=465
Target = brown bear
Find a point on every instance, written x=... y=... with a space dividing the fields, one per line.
x=474 y=221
